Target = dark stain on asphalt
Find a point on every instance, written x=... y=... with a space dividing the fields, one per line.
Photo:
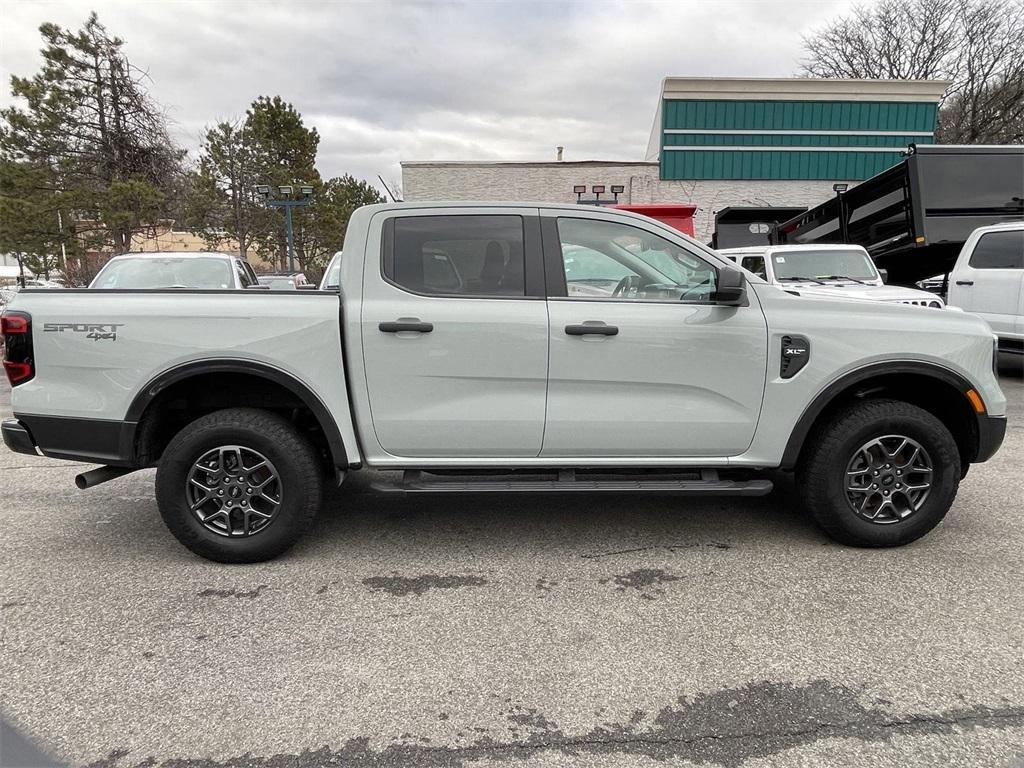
x=545 y=585
x=727 y=728
x=644 y=580
x=532 y=720
x=252 y=593
x=13 y=604
x=322 y=589
x=667 y=547
x=400 y=586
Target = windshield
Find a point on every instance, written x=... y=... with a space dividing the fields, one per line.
x=820 y=265
x=170 y=272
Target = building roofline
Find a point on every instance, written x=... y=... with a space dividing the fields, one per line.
x=522 y=164
x=801 y=89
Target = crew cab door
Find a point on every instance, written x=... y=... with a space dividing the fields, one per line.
x=455 y=333
x=987 y=279
x=643 y=363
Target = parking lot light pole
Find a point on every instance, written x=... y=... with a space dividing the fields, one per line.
x=287 y=202
x=839 y=189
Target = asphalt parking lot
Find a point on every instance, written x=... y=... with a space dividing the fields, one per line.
x=583 y=631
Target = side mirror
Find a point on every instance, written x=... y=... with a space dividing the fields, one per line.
x=884 y=274
x=732 y=287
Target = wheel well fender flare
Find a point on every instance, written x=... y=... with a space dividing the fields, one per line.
x=823 y=399
x=178 y=373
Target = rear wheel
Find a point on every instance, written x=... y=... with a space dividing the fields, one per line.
x=238 y=486
x=880 y=473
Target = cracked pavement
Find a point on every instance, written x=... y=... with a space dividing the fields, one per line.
x=498 y=631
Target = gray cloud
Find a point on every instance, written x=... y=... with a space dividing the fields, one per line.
x=384 y=82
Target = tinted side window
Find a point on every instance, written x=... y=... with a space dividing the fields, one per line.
x=999 y=250
x=243 y=277
x=756 y=265
x=609 y=260
x=460 y=255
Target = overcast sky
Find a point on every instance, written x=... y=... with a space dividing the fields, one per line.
x=384 y=82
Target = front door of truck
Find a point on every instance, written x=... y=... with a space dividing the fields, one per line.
x=642 y=362
x=455 y=334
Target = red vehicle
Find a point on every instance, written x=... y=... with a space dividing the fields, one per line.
x=676 y=215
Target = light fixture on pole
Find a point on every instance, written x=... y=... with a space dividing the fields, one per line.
x=839 y=189
x=287 y=203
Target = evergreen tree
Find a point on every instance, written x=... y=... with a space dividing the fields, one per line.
x=88 y=130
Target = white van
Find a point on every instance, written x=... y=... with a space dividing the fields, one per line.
x=844 y=271
x=988 y=280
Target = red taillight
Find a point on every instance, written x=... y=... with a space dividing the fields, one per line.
x=11 y=323
x=16 y=328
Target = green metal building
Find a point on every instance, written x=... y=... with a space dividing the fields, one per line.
x=788 y=129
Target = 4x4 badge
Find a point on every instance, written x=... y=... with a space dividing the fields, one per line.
x=94 y=331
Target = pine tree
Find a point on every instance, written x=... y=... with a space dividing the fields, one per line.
x=88 y=125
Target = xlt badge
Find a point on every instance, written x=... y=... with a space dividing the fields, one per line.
x=796 y=351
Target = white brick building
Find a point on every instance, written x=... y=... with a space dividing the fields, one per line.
x=553 y=183
x=722 y=142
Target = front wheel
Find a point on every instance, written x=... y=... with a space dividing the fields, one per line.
x=239 y=485
x=880 y=473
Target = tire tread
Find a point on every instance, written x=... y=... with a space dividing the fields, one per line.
x=826 y=443
x=288 y=439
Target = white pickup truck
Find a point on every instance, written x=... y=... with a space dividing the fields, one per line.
x=835 y=270
x=505 y=347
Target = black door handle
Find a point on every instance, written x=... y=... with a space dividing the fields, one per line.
x=586 y=329
x=406 y=325
x=965 y=282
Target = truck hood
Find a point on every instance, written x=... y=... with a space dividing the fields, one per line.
x=865 y=292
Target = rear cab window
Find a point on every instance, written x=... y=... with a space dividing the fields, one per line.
x=999 y=250
x=464 y=255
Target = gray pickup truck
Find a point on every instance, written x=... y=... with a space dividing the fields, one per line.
x=505 y=348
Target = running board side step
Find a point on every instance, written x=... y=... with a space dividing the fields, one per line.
x=708 y=484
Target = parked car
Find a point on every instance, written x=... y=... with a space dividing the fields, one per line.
x=688 y=376
x=331 y=281
x=988 y=280
x=277 y=283
x=827 y=270
x=204 y=270
x=283 y=280
x=935 y=284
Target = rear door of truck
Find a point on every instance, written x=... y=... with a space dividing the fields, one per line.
x=988 y=277
x=454 y=330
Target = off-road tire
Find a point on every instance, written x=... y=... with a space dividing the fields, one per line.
x=821 y=474
x=270 y=435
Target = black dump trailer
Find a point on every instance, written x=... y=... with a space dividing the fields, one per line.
x=737 y=226
x=914 y=217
